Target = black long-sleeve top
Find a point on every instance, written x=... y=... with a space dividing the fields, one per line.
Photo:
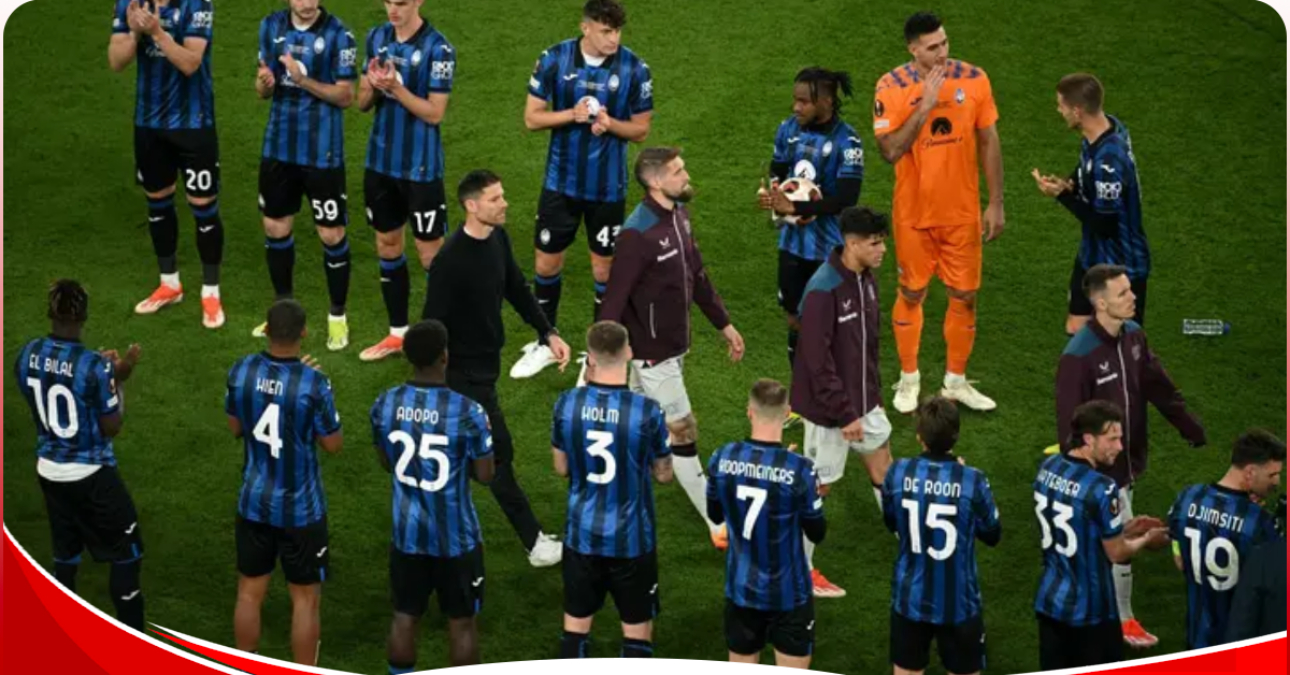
x=465 y=287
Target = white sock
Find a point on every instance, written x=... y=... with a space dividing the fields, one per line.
x=914 y=376
x=171 y=280
x=1123 y=575
x=877 y=495
x=398 y=332
x=689 y=473
x=210 y=292
x=809 y=546
x=337 y=319
x=952 y=379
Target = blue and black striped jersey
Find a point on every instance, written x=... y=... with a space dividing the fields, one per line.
x=1107 y=179
x=824 y=156
x=1077 y=508
x=68 y=387
x=304 y=129
x=580 y=164
x=403 y=145
x=165 y=98
x=430 y=435
x=1214 y=528
x=611 y=438
x=283 y=406
x=938 y=508
x=765 y=492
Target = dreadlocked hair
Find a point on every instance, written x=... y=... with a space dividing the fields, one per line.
x=68 y=302
x=828 y=82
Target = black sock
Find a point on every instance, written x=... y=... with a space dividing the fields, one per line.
x=65 y=572
x=395 y=290
x=123 y=583
x=573 y=645
x=637 y=649
x=281 y=256
x=600 y=298
x=547 y=292
x=792 y=347
x=401 y=668
x=163 y=225
x=336 y=264
x=210 y=240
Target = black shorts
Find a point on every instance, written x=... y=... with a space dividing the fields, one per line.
x=1065 y=646
x=794 y=274
x=393 y=202
x=303 y=551
x=1079 y=304
x=633 y=582
x=557 y=223
x=160 y=154
x=94 y=513
x=961 y=646
x=458 y=581
x=282 y=184
x=792 y=632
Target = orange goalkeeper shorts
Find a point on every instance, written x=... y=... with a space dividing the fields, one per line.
x=952 y=253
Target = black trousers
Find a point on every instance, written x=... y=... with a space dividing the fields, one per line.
x=480 y=385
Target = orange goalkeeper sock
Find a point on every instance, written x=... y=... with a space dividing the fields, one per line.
x=960 y=334
x=907 y=324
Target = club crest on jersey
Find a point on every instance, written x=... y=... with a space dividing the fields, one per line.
x=319 y=45
x=828 y=148
x=804 y=169
x=959 y=96
x=613 y=82
x=416 y=58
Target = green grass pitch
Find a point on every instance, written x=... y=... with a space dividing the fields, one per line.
x=1201 y=83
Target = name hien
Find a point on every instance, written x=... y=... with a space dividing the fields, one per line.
x=49 y=365
x=1215 y=517
x=591 y=413
x=1053 y=481
x=936 y=488
x=416 y=415
x=267 y=386
x=758 y=471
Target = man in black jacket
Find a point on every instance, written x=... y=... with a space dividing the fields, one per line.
x=1259 y=607
x=465 y=287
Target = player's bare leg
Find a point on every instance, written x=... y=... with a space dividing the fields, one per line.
x=1075 y=323
x=401 y=648
x=745 y=658
x=163 y=226
x=794 y=330
x=463 y=642
x=877 y=463
x=897 y=670
x=785 y=661
x=689 y=472
x=638 y=640
x=427 y=250
x=573 y=644
x=960 y=335
x=600 y=266
x=246 y=613
x=547 y=285
x=336 y=268
x=306 y=622
x=907 y=325
x=210 y=246
x=395 y=289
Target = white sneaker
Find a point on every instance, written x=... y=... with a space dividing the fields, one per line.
x=547 y=551
x=907 y=389
x=536 y=357
x=582 y=370
x=961 y=390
